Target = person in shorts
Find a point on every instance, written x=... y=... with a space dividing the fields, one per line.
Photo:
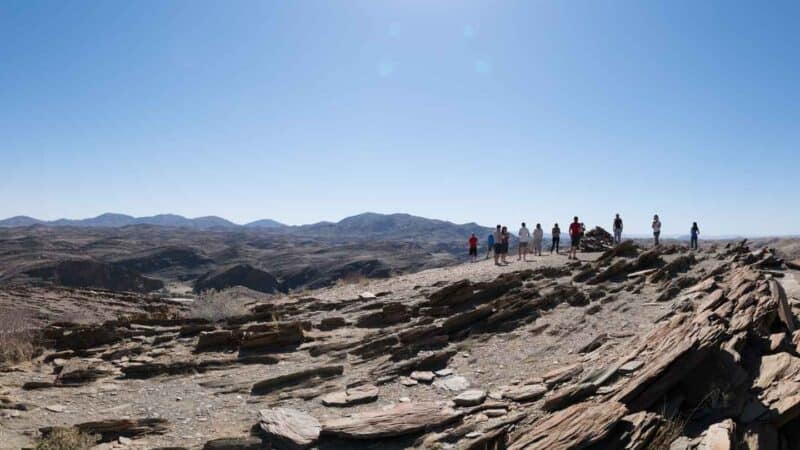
x=498 y=245
x=473 y=248
x=489 y=244
x=656 y=230
x=524 y=238
x=575 y=233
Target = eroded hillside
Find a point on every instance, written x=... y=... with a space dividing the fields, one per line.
x=609 y=352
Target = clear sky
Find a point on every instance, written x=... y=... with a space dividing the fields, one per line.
x=480 y=111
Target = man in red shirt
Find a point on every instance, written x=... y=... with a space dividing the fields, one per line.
x=473 y=248
x=575 y=231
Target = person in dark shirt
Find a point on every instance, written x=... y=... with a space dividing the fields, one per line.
x=695 y=232
x=506 y=236
x=617 y=229
x=556 y=239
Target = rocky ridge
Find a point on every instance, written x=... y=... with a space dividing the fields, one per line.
x=609 y=352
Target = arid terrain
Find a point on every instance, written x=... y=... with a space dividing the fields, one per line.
x=631 y=348
x=173 y=260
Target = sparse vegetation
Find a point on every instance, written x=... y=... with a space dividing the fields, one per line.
x=218 y=305
x=667 y=433
x=353 y=278
x=67 y=439
x=16 y=338
x=78 y=316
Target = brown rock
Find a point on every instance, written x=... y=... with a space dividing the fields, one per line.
x=578 y=426
x=75 y=372
x=277 y=337
x=112 y=429
x=719 y=436
x=784 y=310
x=470 y=397
x=402 y=419
x=569 y=395
x=278 y=382
x=332 y=323
x=423 y=376
x=562 y=374
x=352 y=396
x=526 y=393
x=239 y=443
x=289 y=428
x=218 y=339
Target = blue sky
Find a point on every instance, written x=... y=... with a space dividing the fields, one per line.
x=468 y=111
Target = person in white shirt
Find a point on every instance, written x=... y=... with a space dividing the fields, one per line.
x=524 y=238
x=538 y=237
x=656 y=229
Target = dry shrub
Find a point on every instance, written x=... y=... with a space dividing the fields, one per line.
x=16 y=337
x=674 y=427
x=157 y=312
x=216 y=306
x=353 y=278
x=667 y=433
x=80 y=316
x=67 y=439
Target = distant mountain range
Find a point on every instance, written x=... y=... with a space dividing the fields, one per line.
x=367 y=225
x=111 y=220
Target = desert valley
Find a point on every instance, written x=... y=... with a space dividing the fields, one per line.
x=366 y=336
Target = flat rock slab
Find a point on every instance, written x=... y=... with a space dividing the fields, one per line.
x=408 y=382
x=631 y=366
x=353 y=396
x=278 y=382
x=578 y=426
x=112 y=429
x=495 y=412
x=422 y=376
x=719 y=436
x=454 y=384
x=289 y=428
x=471 y=397
x=399 y=420
x=243 y=443
x=525 y=393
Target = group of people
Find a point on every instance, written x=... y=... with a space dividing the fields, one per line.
x=497 y=242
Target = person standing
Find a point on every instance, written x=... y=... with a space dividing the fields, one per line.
x=617 y=229
x=656 y=229
x=524 y=239
x=473 y=248
x=575 y=233
x=538 y=236
x=556 y=236
x=695 y=232
x=504 y=239
x=489 y=244
x=498 y=245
